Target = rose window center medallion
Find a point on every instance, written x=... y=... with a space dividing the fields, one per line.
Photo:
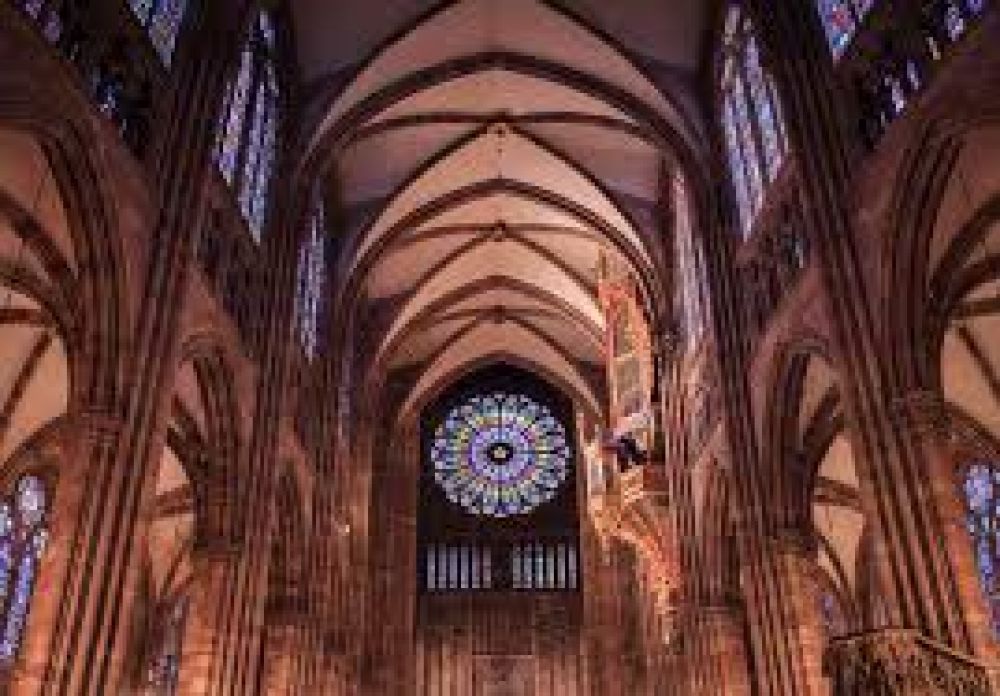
x=500 y=454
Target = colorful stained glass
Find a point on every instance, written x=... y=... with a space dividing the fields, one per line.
x=751 y=119
x=981 y=488
x=743 y=118
x=23 y=538
x=767 y=119
x=165 y=26
x=232 y=124
x=311 y=281
x=838 y=22
x=500 y=454
x=142 y=9
x=247 y=135
x=737 y=170
x=841 y=19
x=162 y=21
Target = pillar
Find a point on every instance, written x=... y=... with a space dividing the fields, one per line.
x=205 y=629
x=84 y=438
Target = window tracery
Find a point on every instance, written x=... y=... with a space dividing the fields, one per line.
x=247 y=132
x=23 y=537
x=752 y=123
x=500 y=454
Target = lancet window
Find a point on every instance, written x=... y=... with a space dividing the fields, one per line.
x=752 y=123
x=162 y=21
x=23 y=537
x=247 y=132
x=981 y=487
x=841 y=19
x=311 y=281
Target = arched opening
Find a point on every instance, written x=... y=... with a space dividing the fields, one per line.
x=36 y=285
x=964 y=321
x=498 y=531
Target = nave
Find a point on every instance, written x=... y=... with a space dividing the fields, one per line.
x=499 y=347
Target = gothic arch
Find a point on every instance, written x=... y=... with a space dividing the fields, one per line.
x=215 y=479
x=92 y=280
x=781 y=425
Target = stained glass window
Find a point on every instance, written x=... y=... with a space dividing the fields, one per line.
x=500 y=454
x=841 y=19
x=47 y=15
x=981 y=487
x=311 y=281
x=247 y=131
x=752 y=123
x=162 y=21
x=23 y=537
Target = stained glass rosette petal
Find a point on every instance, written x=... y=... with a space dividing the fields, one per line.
x=500 y=454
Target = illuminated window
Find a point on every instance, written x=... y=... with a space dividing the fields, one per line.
x=247 y=132
x=752 y=123
x=23 y=537
x=982 y=499
x=841 y=19
x=500 y=455
x=162 y=21
x=311 y=281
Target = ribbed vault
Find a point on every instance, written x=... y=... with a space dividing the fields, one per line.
x=485 y=158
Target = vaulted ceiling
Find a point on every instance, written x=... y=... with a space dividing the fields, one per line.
x=485 y=154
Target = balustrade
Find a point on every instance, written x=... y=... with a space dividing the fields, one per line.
x=899 y=661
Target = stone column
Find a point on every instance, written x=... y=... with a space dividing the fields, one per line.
x=204 y=630
x=282 y=647
x=97 y=578
x=795 y=598
x=82 y=438
x=725 y=666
